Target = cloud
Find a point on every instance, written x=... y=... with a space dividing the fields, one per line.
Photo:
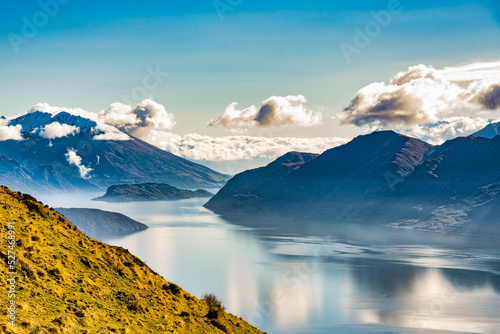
x=74 y=159
x=448 y=128
x=146 y=116
x=472 y=72
x=57 y=130
x=117 y=136
x=486 y=94
x=232 y=148
x=425 y=95
x=9 y=132
x=275 y=111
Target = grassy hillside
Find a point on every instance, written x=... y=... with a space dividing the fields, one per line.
x=69 y=283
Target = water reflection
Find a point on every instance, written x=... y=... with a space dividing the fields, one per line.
x=349 y=280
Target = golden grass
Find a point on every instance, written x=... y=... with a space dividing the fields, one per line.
x=69 y=283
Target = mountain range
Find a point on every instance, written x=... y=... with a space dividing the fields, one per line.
x=62 y=151
x=381 y=178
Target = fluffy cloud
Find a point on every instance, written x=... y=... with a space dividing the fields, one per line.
x=9 y=132
x=231 y=148
x=448 y=128
x=75 y=159
x=275 y=111
x=112 y=135
x=138 y=121
x=486 y=93
x=57 y=130
x=424 y=95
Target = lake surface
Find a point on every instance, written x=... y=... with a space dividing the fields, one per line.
x=339 y=280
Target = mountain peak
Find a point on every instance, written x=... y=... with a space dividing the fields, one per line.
x=294 y=158
x=490 y=131
x=36 y=121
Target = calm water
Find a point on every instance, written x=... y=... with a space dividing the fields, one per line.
x=353 y=280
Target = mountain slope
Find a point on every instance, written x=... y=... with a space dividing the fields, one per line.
x=69 y=283
x=242 y=193
x=105 y=156
x=97 y=223
x=13 y=175
x=490 y=131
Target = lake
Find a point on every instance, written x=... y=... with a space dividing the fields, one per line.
x=352 y=279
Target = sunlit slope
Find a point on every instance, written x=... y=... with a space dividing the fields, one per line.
x=69 y=283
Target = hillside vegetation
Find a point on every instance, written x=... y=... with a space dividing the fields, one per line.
x=69 y=283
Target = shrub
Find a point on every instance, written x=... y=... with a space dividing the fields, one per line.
x=214 y=305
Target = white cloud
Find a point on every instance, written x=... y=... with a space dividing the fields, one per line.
x=448 y=128
x=109 y=132
x=472 y=72
x=118 y=136
x=146 y=116
x=275 y=111
x=74 y=159
x=10 y=132
x=57 y=130
x=232 y=148
x=425 y=95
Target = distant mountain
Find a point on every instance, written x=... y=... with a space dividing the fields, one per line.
x=98 y=223
x=336 y=182
x=81 y=154
x=149 y=192
x=382 y=178
x=490 y=131
x=13 y=175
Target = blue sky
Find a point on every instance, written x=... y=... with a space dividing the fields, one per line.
x=93 y=53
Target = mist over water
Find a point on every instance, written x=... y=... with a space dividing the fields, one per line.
x=300 y=277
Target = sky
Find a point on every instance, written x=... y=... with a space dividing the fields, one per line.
x=197 y=58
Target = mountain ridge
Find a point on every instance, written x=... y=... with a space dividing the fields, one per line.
x=381 y=178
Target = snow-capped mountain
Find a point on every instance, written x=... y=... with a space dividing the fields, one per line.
x=64 y=151
x=38 y=120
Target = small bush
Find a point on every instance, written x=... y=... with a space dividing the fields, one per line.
x=214 y=305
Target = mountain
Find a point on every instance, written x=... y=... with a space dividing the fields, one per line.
x=336 y=182
x=456 y=188
x=97 y=223
x=149 y=192
x=13 y=175
x=490 y=131
x=72 y=153
x=69 y=283
x=380 y=178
